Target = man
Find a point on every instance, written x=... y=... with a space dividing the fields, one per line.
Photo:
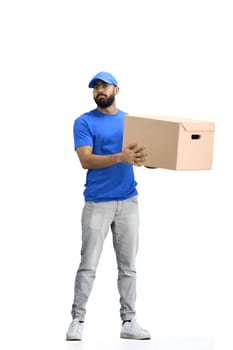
x=110 y=203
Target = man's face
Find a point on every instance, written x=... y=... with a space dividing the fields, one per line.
x=104 y=94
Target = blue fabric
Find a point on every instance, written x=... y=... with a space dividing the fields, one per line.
x=104 y=133
x=104 y=76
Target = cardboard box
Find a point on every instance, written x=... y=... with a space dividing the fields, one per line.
x=170 y=142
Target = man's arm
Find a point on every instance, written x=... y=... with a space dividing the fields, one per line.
x=132 y=154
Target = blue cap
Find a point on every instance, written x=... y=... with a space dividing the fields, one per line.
x=104 y=76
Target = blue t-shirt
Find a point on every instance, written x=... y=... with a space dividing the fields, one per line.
x=104 y=133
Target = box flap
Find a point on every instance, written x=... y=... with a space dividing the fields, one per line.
x=155 y=117
x=198 y=126
x=188 y=124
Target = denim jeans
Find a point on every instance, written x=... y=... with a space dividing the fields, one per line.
x=97 y=219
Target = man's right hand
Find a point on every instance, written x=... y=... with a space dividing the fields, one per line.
x=133 y=154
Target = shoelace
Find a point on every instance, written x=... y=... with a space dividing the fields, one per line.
x=75 y=324
x=136 y=326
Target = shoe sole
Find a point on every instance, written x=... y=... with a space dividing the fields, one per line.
x=73 y=338
x=128 y=336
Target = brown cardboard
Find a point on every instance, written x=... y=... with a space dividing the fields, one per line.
x=170 y=142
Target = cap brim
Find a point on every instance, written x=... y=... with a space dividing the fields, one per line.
x=92 y=82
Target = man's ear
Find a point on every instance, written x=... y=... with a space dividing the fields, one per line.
x=116 y=90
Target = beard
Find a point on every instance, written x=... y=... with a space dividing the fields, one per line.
x=104 y=102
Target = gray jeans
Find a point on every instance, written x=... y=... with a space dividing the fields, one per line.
x=97 y=218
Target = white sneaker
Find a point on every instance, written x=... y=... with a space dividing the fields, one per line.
x=131 y=330
x=75 y=330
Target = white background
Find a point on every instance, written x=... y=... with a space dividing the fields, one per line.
x=170 y=58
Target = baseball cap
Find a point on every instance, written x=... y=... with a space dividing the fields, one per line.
x=104 y=76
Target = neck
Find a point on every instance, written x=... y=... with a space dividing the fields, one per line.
x=109 y=110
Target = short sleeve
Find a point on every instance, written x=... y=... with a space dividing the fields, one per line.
x=82 y=133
